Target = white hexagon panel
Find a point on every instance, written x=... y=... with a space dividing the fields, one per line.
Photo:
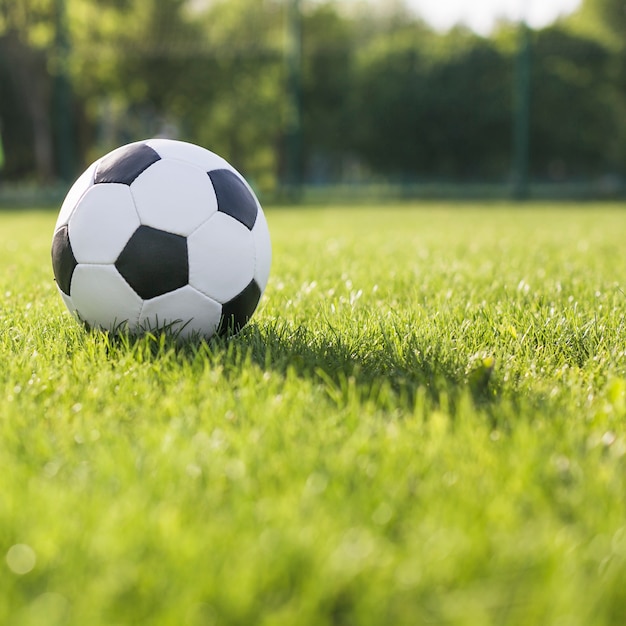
x=103 y=299
x=263 y=251
x=221 y=257
x=81 y=186
x=185 y=312
x=102 y=223
x=188 y=153
x=179 y=208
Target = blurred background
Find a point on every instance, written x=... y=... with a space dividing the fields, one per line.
x=315 y=99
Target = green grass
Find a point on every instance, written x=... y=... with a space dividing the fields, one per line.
x=425 y=423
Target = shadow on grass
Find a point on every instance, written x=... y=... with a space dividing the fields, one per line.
x=377 y=364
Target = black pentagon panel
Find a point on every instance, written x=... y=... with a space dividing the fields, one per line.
x=233 y=197
x=63 y=260
x=154 y=262
x=125 y=164
x=237 y=312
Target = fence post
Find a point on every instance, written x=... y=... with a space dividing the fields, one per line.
x=62 y=91
x=521 y=114
x=294 y=117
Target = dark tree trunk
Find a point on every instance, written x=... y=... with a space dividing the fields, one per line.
x=28 y=71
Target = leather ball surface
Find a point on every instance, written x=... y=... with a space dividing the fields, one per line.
x=162 y=234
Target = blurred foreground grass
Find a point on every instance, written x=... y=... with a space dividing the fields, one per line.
x=424 y=423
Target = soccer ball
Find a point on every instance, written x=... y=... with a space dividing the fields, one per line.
x=161 y=234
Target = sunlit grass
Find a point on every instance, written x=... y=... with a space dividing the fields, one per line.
x=424 y=423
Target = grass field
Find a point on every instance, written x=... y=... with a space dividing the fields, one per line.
x=424 y=424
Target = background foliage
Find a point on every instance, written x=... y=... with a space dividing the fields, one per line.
x=378 y=94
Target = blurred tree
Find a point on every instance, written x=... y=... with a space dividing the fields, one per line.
x=240 y=97
x=435 y=106
x=26 y=36
x=126 y=52
x=131 y=56
x=576 y=128
x=605 y=19
x=327 y=92
x=15 y=124
x=379 y=89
